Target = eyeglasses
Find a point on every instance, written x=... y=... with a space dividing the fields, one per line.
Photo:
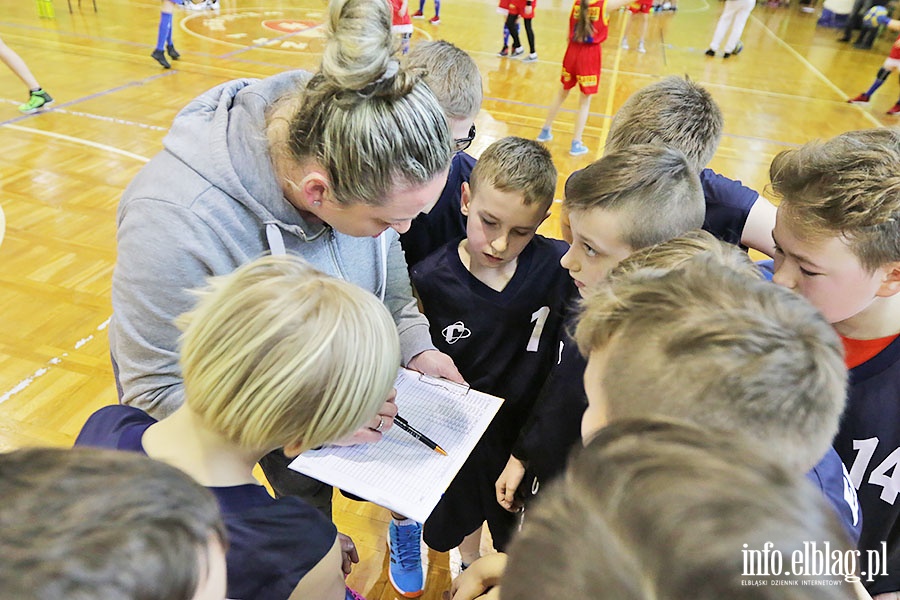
x=461 y=144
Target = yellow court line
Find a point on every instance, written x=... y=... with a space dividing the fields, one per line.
x=812 y=68
x=79 y=141
x=604 y=130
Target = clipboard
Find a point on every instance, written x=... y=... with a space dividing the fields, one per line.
x=399 y=472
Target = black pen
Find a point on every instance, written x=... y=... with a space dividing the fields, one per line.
x=405 y=426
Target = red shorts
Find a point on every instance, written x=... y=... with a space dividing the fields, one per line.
x=517 y=7
x=504 y=6
x=641 y=6
x=581 y=65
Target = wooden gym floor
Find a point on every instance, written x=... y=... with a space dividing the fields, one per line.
x=62 y=171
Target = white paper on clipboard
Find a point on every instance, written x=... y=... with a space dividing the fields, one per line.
x=399 y=472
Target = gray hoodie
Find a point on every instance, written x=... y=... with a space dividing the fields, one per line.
x=208 y=203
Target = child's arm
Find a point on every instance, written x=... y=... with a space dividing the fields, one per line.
x=482 y=575
x=892 y=24
x=325 y=580
x=404 y=8
x=508 y=483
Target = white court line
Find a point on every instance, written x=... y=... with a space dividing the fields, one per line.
x=80 y=141
x=815 y=71
x=25 y=383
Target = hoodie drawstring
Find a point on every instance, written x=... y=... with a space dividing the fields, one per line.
x=276 y=247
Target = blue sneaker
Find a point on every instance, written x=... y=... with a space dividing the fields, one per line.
x=406 y=573
x=544 y=135
x=577 y=148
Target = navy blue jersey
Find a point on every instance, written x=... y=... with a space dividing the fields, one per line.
x=830 y=476
x=502 y=343
x=869 y=444
x=728 y=203
x=444 y=222
x=554 y=426
x=272 y=543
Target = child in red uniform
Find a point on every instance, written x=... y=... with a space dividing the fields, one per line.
x=643 y=8
x=891 y=65
x=401 y=24
x=588 y=27
x=503 y=9
x=525 y=8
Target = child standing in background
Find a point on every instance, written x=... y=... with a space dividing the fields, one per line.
x=38 y=98
x=401 y=24
x=891 y=65
x=164 y=35
x=490 y=299
x=436 y=19
x=525 y=8
x=588 y=27
x=503 y=9
x=642 y=8
x=734 y=16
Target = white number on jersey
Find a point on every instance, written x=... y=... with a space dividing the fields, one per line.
x=890 y=484
x=538 y=317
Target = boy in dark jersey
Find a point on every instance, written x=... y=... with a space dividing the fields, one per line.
x=625 y=201
x=838 y=244
x=491 y=301
x=679 y=113
x=754 y=327
x=455 y=81
x=274 y=355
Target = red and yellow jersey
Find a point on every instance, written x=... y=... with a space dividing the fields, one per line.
x=640 y=6
x=599 y=19
x=396 y=17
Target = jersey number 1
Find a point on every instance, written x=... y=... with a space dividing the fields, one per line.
x=539 y=318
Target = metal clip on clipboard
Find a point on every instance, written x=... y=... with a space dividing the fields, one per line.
x=460 y=389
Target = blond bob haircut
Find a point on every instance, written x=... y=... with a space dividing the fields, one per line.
x=90 y=524
x=710 y=345
x=675 y=252
x=674 y=112
x=514 y=164
x=372 y=125
x=652 y=188
x=451 y=74
x=277 y=353
x=661 y=510
x=847 y=186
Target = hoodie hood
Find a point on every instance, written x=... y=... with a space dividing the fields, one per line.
x=221 y=136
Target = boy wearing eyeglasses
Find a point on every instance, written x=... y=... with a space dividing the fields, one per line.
x=455 y=81
x=491 y=299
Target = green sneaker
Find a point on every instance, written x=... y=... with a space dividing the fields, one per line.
x=38 y=100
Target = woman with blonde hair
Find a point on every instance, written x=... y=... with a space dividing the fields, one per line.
x=275 y=355
x=330 y=166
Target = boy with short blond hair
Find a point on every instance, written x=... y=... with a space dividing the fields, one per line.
x=663 y=509
x=491 y=301
x=710 y=345
x=679 y=113
x=628 y=199
x=838 y=244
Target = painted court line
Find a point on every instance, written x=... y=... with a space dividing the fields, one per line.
x=841 y=93
x=56 y=360
x=75 y=140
